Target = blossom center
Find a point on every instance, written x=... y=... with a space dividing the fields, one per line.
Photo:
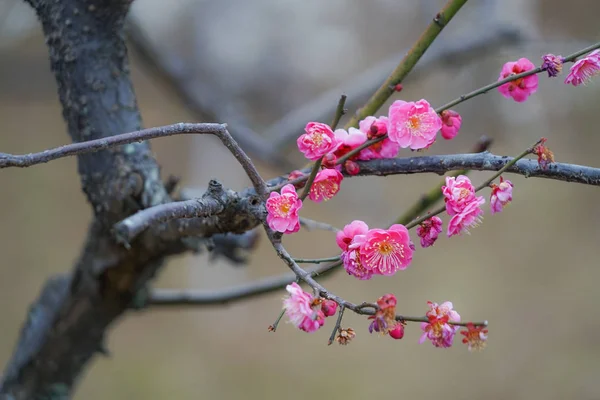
x=414 y=123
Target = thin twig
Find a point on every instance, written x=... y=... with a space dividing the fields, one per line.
x=408 y=62
x=339 y=111
x=316 y=260
x=273 y=328
x=481 y=186
x=219 y=130
x=310 y=224
x=336 y=327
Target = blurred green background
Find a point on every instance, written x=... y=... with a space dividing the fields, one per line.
x=532 y=270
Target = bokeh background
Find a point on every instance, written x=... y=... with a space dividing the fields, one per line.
x=532 y=270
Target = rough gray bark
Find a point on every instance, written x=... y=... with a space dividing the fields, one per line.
x=66 y=325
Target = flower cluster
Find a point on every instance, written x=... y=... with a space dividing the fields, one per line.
x=461 y=204
x=438 y=330
x=367 y=252
x=306 y=312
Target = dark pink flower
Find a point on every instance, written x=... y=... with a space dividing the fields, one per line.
x=329 y=307
x=583 y=70
x=468 y=218
x=451 y=122
x=317 y=141
x=326 y=185
x=351 y=168
x=519 y=89
x=346 y=236
x=282 y=210
x=501 y=195
x=386 y=251
x=458 y=192
x=299 y=309
x=348 y=140
x=374 y=127
x=429 y=230
x=353 y=265
x=413 y=124
x=438 y=330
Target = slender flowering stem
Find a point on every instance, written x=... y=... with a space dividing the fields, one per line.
x=511 y=78
x=435 y=194
x=357 y=150
x=311 y=224
x=478 y=188
x=408 y=62
x=273 y=328
x=336 y=328
x=316 y=260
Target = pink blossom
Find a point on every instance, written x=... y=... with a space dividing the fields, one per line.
x=329 y=307
x=583 y=70
x=385 y=316
x=413 y=124
x=282 y=210
x=519 y=89
x=345 y=237
x=429 y=230
x=458 y=192
x=326 y=185
x=353 y=265
x=299 y=309
x=374 y=127
x=468 y=218
x=451 y=122
x=501 y=195
x=348 y=140
x=397 y=332
x=386 y=251
x=317 y=141
x=438 y=330
x=475 y=337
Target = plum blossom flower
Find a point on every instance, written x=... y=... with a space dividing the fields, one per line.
x=413 y=124
x=451 y=122
x=501 y=195
x=345 y=237
x=374 y=127
x=386 y=251
x=317 y=141
x=326 y=185
x=583 y=70
x=519 y=89
x=552 y=64
x=353 y=265
x=299 y=309
x=348 y=140
x=385 y=316
x=468 y=218
x=458 y=192
x=438 y=330
x=282 y=210
x=475 y=337
x=329 y=307
x=429 y=230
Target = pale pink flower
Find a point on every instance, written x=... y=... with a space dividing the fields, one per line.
x=353 y=265
x=468 y=218
x=583 y=70
x=458 y=192
x=438 y=330
x=501 y=195
x=519 y=89
x=317 y=141
x=386 y=251
x=348 y=140
x=299 y=309
x=451 y=122
x=429 y=230
x=326 y=185
x=413 y=124
x=282 y=210
x=345 y=237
